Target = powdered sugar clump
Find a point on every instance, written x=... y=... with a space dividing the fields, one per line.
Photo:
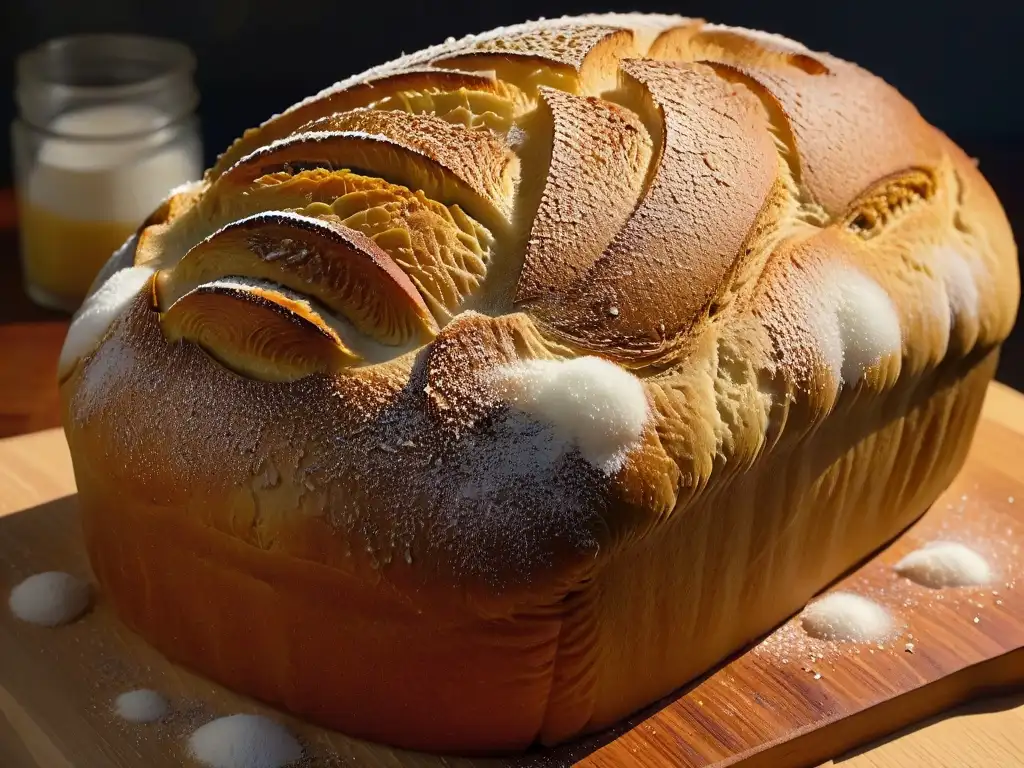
x=945 y=564
x=589 y=402
x=50 y=599
x=244 y=741
x=856 y=324
x=960 y=282
x=846 y=616
x=98 y=312
x=141 y=706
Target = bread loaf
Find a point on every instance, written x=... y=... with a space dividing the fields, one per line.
x=489 y=396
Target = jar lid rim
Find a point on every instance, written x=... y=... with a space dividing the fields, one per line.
x=173 y=58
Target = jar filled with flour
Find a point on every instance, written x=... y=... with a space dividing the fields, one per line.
x=106 y=128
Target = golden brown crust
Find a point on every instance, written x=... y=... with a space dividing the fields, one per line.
x=256 y=331
x=851 y=128
x=577 y=58
x=808 y=283
x=478 y=159
x=340 y=267
x=446 y=174
x=661 y=271
x=353 y=94
x=598 y=162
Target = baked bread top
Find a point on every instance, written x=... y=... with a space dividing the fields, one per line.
x=478 y=317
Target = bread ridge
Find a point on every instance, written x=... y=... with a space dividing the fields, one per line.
x=798 y=196
x=854 y=265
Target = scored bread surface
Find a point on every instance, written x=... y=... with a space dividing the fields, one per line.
x=333 y=453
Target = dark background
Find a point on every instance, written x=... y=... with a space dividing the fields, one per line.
x=959 y=62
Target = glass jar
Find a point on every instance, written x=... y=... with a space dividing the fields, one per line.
x=106 y=127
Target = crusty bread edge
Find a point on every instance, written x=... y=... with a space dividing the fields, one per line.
x=317 y=641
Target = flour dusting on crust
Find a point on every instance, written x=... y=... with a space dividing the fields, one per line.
x=98 y=312
x=961 y=284
x=855 y=322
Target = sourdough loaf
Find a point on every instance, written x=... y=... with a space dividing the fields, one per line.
x=489 y=396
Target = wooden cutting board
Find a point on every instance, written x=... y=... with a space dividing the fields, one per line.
x=788 y=701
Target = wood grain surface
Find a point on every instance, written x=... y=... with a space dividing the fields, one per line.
x=788 y=701
x=30 y=340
